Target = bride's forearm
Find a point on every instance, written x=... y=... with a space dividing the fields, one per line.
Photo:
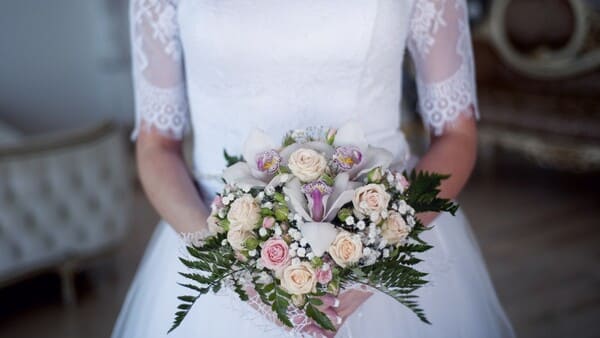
x=168 y=184
x=454 y=153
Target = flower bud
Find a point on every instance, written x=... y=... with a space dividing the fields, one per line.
x=298 y=300
x=330 y=137
x=281 y=213
x=344 y=213
x=375 y=175
x=279 y=197
x=251 y=243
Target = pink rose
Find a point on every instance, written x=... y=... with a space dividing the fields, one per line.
x=275 y=254
x=268 y=222
x=324 y=276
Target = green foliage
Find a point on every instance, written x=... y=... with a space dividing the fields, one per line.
x=319 y=317
x=394 y=276
x=232 y=159
x=422 y=194
x=279 y=300
x=213 y=263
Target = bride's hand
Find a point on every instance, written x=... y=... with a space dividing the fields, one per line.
x=338 y=310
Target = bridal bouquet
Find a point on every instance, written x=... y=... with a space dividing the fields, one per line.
x=318 y=214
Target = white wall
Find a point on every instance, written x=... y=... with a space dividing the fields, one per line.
x=63 y=63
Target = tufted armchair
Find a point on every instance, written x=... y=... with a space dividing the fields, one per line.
x=63 y=199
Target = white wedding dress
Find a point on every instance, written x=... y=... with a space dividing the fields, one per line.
x=224 y=67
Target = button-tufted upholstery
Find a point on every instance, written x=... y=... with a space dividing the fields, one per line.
x=62 y=198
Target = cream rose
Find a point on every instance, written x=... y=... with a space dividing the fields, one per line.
x=307 y=164
x=370 y=200
x=237 y=238
x=299 y=279
x=244 y=213
x=394 y=230
x=346 y=249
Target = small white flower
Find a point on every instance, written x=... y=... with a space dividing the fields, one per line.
x=411 y=221
x=294 y=246
x=297 y=236
x=224 y=242
x=269 y=190
x=278 y=231
x=252 y=253
x=349 y=220
x=303 y=241
x=295 y=261
x=402 y=207
x=259 y=264
x=262 y=232
x=310 y=255
x=366 y=251
x=301 y=252
x=325 y=267
x=374 y=217
x=261 y=195
x=264 y=278
x=386 y=253
x=382 y=244
x=293 y=252
x=360 y=225
x=268 y=205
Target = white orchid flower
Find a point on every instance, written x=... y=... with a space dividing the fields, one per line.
x=318 y=204
x=262 y=160
x=354 y=155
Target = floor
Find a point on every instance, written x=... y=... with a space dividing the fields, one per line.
x=538 y=230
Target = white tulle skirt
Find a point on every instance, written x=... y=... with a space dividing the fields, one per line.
x=460 y=301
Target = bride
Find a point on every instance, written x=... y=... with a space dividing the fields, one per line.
x=224 y=67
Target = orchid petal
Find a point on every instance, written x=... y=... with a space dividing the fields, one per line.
x=257 y=142
x=352 y=133
x=339 y=185
x=343 y=198
x=241 y=175
x=298 y=202
x=278 y=180
x=318 y=235
x=375 y=157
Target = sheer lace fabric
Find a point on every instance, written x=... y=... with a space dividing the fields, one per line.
x=440 y=45
x=158 y=76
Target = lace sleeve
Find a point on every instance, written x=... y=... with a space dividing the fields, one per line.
x=159 y=83
x=439 y=41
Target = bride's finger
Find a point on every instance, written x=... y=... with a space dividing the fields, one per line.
x=315 y=331
x=336 y=319
x=329 y=301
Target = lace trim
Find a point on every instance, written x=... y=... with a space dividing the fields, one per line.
x=195 y=238
x=162 y=109
x=442 y=102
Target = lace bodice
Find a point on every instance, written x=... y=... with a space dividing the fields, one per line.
x=226 y=66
